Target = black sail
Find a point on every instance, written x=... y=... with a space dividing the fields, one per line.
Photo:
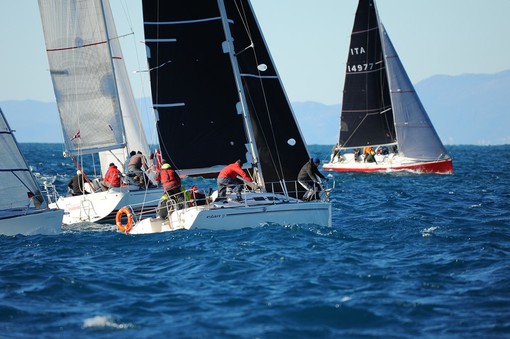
x=194 y=91
x=192 y=84
x=281 y=147
x=367 y=117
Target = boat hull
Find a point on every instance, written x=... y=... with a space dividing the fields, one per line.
x=47 y=221
x=234 y=215
x=348 y=164
x=103 y=206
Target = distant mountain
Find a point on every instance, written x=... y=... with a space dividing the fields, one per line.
x=33 y=121
x=465 y=109
x=469 y=108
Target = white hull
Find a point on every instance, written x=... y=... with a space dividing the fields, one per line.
x=236 y=215
x=391 y=162
x=47 y=221
x=103 y=206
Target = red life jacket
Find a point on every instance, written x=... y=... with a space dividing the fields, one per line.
x=114 y=177
x=169 y=179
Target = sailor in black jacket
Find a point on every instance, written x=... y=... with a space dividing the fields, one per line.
x=309 y=176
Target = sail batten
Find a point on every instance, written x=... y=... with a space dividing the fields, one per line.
x=75 y=47
x=260 y=76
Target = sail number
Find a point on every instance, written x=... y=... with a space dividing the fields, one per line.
x=360 y=68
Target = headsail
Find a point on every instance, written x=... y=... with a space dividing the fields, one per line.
x=416 y=135
x=135 y=137
x=281 y=147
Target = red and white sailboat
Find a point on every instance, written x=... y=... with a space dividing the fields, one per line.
x=381 y=110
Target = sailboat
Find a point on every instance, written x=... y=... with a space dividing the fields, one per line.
x=97 y=109
x=218 y=98
x=23 y=208
x=384 y=126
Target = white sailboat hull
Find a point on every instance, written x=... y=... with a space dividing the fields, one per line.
x=103 y=206
x=236 y=215
x=46 y=221
x=392 y=162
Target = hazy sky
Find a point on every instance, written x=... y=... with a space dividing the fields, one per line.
x=308 y=41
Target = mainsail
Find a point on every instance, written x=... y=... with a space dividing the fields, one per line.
x=201 y=90
x=367 y=116
x=82 y=73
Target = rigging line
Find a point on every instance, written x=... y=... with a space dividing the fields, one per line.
x=153 y=68
x=164 y=151
x=356 y=129
x=242 y=16
x=125 y=9
x=245 y=49
x=121 y=36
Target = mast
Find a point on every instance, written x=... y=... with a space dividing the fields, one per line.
x=228 y=47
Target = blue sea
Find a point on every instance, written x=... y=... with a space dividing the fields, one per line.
x=409 y=255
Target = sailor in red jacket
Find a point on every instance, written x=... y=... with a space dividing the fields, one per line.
x=171 y=184
x=169 y=179
x=228 y=178
x=111 y=178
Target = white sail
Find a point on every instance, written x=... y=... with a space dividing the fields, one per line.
x=83 y=77
x=136 y=139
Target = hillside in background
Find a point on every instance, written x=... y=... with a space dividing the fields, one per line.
x=466 y=109
x=470 y=108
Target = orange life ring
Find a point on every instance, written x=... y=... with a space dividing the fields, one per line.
x=118 y=218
